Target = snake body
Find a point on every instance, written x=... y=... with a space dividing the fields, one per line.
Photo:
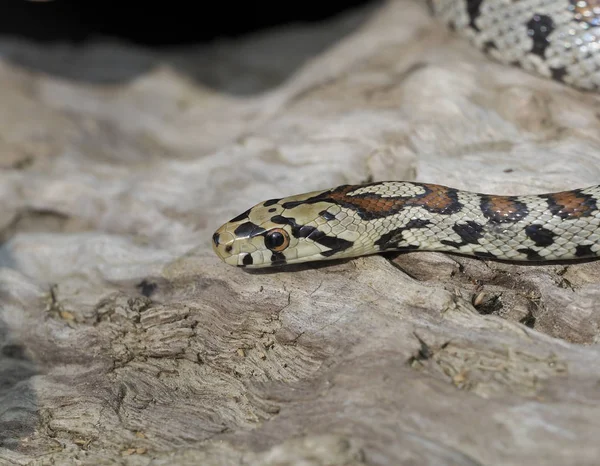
x=558 y=39
x=356 y=220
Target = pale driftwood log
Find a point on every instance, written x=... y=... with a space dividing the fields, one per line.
x=123 y=338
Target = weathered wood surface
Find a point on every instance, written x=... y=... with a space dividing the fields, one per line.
x=123 y=339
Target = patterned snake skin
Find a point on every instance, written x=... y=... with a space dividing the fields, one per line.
x=350 y=221
x=558 y=39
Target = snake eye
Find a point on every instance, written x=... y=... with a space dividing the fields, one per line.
x=277 y=240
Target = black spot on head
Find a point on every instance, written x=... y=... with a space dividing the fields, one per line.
x=241 y=217
x=281 y=220
x=469 y=233
x=228 y=248
x=215 y=239
x=539 y=28
x=272 y=209
x=146 y=288
x=247 y=260
x=584 y=250
x=541 y=236
x=247 y=230
x=531 y=254
x=270 y=202
x=327 y=215
x=393 y=239
x=278 y=258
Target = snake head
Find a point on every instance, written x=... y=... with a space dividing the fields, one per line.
x=283 y=231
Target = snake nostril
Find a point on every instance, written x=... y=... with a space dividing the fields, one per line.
x=216 y=239
x=228 y=248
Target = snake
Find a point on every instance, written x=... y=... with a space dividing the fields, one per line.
x=355 y=220
x=555 y=39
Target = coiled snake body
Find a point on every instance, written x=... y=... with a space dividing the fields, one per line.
x=558 y=39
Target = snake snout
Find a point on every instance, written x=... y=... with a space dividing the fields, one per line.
x=223 y=243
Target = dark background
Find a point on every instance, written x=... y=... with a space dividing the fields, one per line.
x=156 y=23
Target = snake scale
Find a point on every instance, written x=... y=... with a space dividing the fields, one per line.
x=557 y=39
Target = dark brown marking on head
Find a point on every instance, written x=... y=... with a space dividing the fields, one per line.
x=314 y=234
x=270 y=202
x=278 y=258
x=584 y=250
x=541 y=236
x=571 y=204
x=469 y=232
x=394 y=238
x=248 y=230
x=503 y=209
x=281 y=220
x=247 y=259
x=216 y=238
x=369 y=206
x=241 y=217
